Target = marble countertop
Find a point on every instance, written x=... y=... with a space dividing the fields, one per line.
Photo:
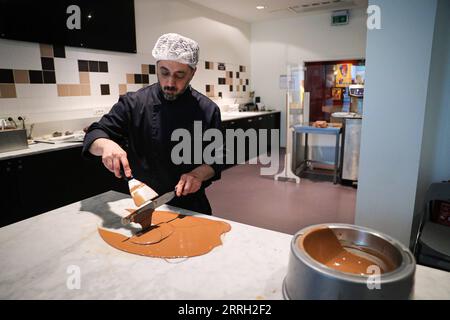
x=226 y=116
x=38 y=148
x=40 y=256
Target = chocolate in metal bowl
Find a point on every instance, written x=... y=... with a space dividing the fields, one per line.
x=313 y=275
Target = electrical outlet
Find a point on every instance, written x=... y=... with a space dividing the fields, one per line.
x=99 y=111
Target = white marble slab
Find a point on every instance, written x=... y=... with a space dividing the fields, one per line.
x=35 y=255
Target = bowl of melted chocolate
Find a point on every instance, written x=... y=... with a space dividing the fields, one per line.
x=343 y=261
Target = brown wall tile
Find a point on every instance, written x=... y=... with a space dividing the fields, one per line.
x=59 y=51
x=93 y=66
x=84 y=77
x=83 y=65
x=6 y=76
x=36 y=76
x=104 y=89
x=130 y=78
x=21 y=76
x=49 y=76
x=8 y=91
x=48 y=64
x=137 y=78
x=145 y=69
x=63 y=90
x=103 y=66
x=46 y=50
x=85 y=90
x=122 y=89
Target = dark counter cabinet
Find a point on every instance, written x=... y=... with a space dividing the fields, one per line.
x=34 y=184
x=269 y=121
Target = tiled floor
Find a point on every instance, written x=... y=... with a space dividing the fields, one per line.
x=243 y=195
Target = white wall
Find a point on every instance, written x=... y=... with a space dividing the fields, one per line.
x=221 y=39
x=435 y=155
x=397 y=68
x=279 y=43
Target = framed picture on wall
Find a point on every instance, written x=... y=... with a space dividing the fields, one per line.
x=336 y=93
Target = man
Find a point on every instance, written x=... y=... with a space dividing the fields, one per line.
x=136 y=133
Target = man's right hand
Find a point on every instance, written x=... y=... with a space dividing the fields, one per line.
x=113 y=156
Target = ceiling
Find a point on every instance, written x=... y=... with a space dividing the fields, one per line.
x=275 y=9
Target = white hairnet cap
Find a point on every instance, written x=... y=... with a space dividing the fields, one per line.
x=175 y=47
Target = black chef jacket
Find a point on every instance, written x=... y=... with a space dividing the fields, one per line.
x=142 y=123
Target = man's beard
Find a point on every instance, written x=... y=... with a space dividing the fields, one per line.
x=172 y=96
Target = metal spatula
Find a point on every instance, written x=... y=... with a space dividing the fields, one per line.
x=140 y=192
x=148 y=208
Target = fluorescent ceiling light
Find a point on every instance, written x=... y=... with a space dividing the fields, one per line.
x=260 y=7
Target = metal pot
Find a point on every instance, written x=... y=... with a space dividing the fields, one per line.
x=308 y=278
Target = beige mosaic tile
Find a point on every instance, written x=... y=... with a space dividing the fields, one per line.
x=8 y=91
x=21 y=76
x=84 y=77
x=130 y=78
x=122 y=89
x=74 y=90
x=63 y=90
x=85 y=90
x=46 y=50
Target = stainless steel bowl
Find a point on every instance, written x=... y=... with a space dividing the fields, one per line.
x=307 y=278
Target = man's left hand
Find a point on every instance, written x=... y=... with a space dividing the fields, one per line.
x=192 y=181
x=189 y=183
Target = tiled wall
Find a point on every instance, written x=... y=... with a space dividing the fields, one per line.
x=48 y=82
x=227 y=81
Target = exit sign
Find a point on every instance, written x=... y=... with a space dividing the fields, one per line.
x=339 y=17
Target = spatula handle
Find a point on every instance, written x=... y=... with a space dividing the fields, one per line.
x=122 y=173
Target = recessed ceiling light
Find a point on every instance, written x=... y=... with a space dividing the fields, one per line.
x=260 y=7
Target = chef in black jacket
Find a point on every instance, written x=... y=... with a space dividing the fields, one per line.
x=136 y=133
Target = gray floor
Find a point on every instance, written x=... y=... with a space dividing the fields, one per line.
x=243 y=195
